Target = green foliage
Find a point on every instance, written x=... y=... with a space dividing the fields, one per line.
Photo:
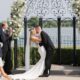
x=76 y=8
x=66 y=23
x=66 y=56
x=20 y=57
x=0 y=24
x=33 y=21
x=34 y=55
x=48 y=23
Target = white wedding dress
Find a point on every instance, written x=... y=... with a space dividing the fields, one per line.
x=36 y=70
x=1 y=62
x=1 y=65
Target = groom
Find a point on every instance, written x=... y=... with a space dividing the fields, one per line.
x=49 y=47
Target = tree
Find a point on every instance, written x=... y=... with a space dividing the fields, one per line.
x=76 y=8
x=33 y=21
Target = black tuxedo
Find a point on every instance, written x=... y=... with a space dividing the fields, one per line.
x=5 y=51
x=49 y=47
x=5 y=48
x=8 y=61
x=2 y=39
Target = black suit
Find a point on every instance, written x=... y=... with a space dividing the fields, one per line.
x=48 y=44
x=2 y=39
x=5 y=51
x=4 y=48
x=7 y=56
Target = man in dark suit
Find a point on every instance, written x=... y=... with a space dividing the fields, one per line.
x=2 y=40
x=6 y=49
x=8 y=59
x=49 y=47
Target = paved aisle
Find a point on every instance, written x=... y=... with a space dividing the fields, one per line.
x=60 y=78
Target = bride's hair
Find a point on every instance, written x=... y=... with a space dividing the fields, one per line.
x=32 y=33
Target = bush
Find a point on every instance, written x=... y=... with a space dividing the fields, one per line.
x=20 y=57
x=66 y=56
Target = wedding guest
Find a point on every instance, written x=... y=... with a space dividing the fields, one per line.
x=6 y=50
x=2 y=72
x=8 y=59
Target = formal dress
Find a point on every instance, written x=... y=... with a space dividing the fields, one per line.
x=36 y=70
x=1 y=62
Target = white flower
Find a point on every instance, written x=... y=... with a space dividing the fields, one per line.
x=10 y=22
x=13 y=30
x=14 y=16
x=17 y=19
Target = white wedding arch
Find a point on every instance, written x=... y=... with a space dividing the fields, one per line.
x=50 y=8
x=47 y=9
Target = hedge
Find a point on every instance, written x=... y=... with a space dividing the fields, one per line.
x=66 y=56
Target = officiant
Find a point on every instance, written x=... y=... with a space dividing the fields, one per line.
x=2 y=40
x=6 y=49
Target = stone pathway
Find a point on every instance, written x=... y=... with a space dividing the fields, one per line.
x=62 y=72
x=60 y=78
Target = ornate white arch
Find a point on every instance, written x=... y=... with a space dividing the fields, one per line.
x=47 y=9
x=50 y=8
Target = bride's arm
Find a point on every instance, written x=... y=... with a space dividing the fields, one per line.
x=35 y=39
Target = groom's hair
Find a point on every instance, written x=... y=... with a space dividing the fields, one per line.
x=4 y=24
x=36 y=26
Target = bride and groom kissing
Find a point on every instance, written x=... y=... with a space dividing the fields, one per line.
x=45 y=49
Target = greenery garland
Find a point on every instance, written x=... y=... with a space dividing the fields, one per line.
x=17 y=15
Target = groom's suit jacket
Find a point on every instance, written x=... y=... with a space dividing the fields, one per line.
x=49 y=47
x=46 y=41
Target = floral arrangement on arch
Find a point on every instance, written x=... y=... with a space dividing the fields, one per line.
x=17 y=14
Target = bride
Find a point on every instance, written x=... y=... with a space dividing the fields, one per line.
x=39 y=67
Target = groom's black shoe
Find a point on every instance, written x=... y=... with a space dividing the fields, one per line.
x=44 y=75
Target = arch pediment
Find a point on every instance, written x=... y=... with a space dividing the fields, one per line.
x=50 y=8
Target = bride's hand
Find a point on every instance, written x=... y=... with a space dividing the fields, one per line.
x=35 y=39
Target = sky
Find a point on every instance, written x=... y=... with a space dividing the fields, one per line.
x=5 y=9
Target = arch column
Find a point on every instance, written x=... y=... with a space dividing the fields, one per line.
x=26 y=45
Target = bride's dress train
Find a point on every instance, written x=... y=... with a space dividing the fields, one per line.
x=36 y=70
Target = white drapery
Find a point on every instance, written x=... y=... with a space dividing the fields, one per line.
x=27 y=52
